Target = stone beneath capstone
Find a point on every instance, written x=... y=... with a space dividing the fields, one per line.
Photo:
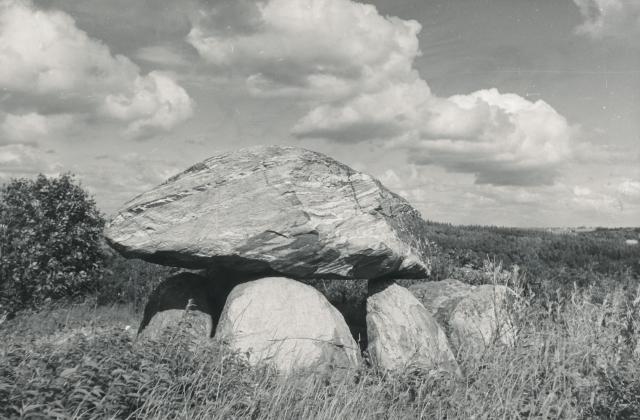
x=174 y=322
x=403 y=335
x=206 y=293
x=175 y=293
x=474 y=317
x=272 y=210
x=439 y=296
x=288 y=325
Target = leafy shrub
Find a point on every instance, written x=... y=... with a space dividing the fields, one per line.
x=130 y=281
x=551 y=262
x=50 y=232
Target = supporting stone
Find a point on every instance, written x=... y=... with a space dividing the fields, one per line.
x=288 y=325
x=170 y=298
x=402 y=334
x=474 y=317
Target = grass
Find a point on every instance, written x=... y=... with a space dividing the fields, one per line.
x=574 y=359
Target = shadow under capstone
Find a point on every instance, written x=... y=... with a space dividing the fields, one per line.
x=355 y=315
x=175 y=292
x=378 y=285
x=349 y=297
x=207 y=290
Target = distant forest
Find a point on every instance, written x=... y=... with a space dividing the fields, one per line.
x=550 y=258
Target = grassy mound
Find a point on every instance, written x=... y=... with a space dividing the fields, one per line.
x=574 y=358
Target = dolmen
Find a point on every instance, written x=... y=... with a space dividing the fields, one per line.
x=251 y=225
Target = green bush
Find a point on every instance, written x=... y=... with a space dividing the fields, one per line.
x=130 y=281
x=50 y=233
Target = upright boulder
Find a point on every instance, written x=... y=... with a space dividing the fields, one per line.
x=165 y=308
x=438 y=296
x=175 y=293
x=168 y=323
x=474 y=317
x=403 y=334
x=275 y=211
x=286 y=324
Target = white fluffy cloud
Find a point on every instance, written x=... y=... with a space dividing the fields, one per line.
x=609 y=18
x=502 y=138
x=629 y=188
x=585 y=199
x=44 y=54
x=355 y=67
x=383 y=114
x=322 y=48
x=31 y=127
x=156 y=102
x=571 y=201
x=17 y=160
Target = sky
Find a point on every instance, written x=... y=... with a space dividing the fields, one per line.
x=501 y=112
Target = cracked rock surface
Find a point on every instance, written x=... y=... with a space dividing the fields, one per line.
x=272 y=210
x=403 y=335
x=287 y=324
x=474 y=317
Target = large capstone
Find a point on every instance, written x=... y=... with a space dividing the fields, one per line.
x=288 y=325
x=275 y=211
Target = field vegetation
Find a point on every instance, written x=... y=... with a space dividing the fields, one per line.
x=68 y=347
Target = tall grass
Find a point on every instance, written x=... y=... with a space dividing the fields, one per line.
x=574 y=359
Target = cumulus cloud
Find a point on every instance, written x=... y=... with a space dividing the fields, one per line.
x=31 y=127
x=320 y=48
x=587 y=202
x=18 y=160
x=503 y=139
x=155 y=102
x=355 y=68
x=571 y=201
x=44 y=54
x=584 y=198
x=609 y=18
x=629 y=188
x=387 y=113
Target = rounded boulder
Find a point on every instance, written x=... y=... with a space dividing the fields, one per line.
x=287 y=324
x=474 y=317
x=404 y=335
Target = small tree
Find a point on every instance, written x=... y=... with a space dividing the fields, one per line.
x=50 y=232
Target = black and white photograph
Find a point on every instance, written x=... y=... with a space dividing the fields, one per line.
x=319 y=209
